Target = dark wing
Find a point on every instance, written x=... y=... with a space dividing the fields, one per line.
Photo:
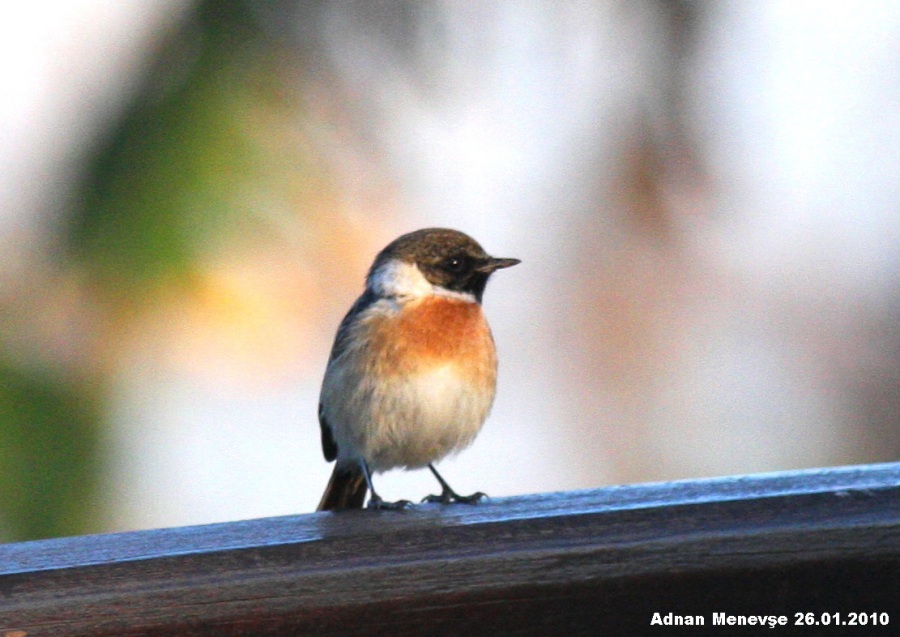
x=343 y=334
x=329 y=446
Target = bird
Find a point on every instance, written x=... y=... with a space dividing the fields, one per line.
x=412 y=373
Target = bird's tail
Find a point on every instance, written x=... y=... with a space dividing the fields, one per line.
x=346 y=489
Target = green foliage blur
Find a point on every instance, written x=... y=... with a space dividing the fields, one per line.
x=154 y=193
x=49 y=454
x=161 y=187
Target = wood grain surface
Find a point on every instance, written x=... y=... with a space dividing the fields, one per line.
x=597 y=562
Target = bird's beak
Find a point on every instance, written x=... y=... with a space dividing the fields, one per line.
x=494 y=263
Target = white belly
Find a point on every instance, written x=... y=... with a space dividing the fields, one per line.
x=424 y=418
x=410 y=421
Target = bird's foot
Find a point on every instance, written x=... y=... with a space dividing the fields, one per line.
x=375 y=502
x=451 y=497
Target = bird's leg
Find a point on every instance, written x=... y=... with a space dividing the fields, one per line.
x=448 y=495
x=375 y=502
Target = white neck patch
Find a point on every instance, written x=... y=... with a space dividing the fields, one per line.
x=396 y=278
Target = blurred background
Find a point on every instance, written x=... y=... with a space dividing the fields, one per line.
x=705 y=197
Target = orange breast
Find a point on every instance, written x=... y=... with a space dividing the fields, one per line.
x=433 y=331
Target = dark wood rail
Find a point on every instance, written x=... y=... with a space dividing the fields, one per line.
x=599 y=562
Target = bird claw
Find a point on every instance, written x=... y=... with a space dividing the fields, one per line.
x=449 y=497
x=376 y=503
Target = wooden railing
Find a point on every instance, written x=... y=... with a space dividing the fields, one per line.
x=820 y=546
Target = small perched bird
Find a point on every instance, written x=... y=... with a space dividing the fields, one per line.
x=413 y=369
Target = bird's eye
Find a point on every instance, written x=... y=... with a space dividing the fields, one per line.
x=455 y=264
